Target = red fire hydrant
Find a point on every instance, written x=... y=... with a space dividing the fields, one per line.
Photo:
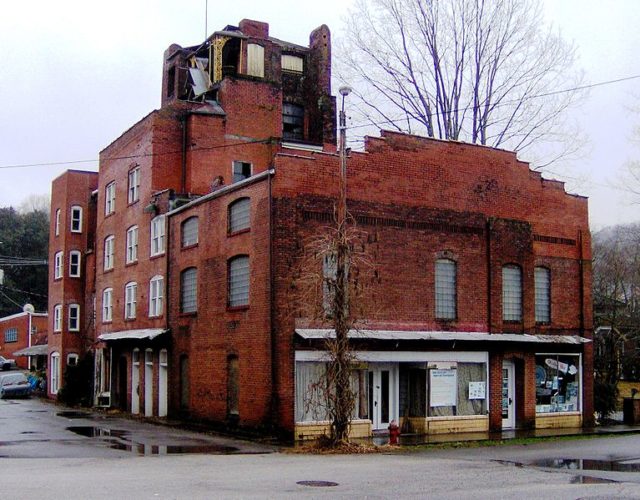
x=394 y=432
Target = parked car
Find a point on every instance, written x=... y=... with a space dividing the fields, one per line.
x=14 y=385
x=7 y=364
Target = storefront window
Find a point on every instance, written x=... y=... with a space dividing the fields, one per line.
x=458 y=390
x=557 y=383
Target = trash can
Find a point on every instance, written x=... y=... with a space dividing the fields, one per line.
x=631 y=411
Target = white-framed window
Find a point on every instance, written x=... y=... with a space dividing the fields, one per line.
x=292 y=63
x=74 y=317
x=130 y=299
x=156 y=294
x=72 y=359
x=543 y=294
x=445 y=289
x=107 y=305
x=58 y=261
x=57 y=222
x=189 y=290
x=511 y=293
x=54 y=382
x=238 y=286
x=57 y=318
x=189 y=230
x=11 y=335
x=132 y=245
x=255 y=60
x=76 y=219
x=157 y=235
x=110 y=198
x=239 y=215
x=134 y=185
x=241 y=170
x=108 y=252
x=74 y=263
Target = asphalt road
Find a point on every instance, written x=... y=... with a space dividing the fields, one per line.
x=41 y=458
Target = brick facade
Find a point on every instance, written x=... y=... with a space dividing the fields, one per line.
x=414 y=201
x=19 y=331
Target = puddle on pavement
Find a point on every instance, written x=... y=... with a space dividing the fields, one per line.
x=117 y=439
x=587 y=464
x=73 y=414
x=590 y=480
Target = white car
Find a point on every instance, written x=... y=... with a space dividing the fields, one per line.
x=7 y=364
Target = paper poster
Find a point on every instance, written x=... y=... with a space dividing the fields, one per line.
x=477 y=390
x=443 y=388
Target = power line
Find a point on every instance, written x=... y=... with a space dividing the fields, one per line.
x=23 y=291
x=143 y=155
x=506 y=103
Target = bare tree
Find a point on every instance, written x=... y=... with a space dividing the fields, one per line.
x=485 y=72
x=35 y=203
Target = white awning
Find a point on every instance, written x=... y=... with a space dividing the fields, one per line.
x=34 y=350
x=457 y=336
x=146 y=333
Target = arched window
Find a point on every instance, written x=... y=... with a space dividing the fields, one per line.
x=238 y=281
x=130 y=300
x=445 y=289
x=156 y=294
x=76 y=219
x=543 y=294
x=511 y=293
x=74 y=263
x=189 y=232
x=107 y=305
x=239 y=215
x=189 y=290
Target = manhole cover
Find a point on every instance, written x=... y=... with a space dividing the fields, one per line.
x=317 y=484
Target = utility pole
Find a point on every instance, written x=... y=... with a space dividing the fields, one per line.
x=341 y=369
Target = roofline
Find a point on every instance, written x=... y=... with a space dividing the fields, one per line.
x=24 y=313
x=224 y=190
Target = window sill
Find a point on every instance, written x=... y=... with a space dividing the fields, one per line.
x=106 y=271
x=237 y=308
x=132 y=203
x=129 y=320
x=108 y=322
x=109 y=214
x=129 y=264
x=159 y=316
x=239 y=231
x=189 y=247
x=75 y=232
x=156 y=256
x=192 y=314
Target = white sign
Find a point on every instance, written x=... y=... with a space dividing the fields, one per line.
x=443 y=388
x=477 y=390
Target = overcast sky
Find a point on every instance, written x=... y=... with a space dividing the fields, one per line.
x=77 y=73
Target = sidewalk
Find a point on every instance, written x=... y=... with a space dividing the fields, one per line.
x=414 y=439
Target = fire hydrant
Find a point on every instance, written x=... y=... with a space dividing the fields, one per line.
x=394 y=432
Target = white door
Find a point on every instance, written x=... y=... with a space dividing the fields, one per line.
x=148 y=383
x=135 y=381
x=508 y=395
x=383 y=395
x=162 y=383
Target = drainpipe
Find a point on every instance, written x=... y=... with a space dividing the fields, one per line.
x=489 y=270
x=29 y=337
x=274 y=372
x=581 y=283
x=183 y=172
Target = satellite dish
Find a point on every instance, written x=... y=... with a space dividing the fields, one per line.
x=28 y=308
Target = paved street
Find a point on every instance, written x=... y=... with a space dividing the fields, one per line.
x=121 y=458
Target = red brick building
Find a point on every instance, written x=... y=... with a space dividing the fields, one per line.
x=473 y=310
x=21 y=331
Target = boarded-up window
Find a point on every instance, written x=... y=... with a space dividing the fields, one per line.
x=292 y=63
x=233 y=386
x=239 y=281
x=511 y=293
x=255 y=60
x=445 y=289
x=239 y=215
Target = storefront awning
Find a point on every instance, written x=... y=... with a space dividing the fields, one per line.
x=34 y=350
x=146 y=333
x=312 y=334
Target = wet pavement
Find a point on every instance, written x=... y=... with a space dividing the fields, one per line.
x=33 y=428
